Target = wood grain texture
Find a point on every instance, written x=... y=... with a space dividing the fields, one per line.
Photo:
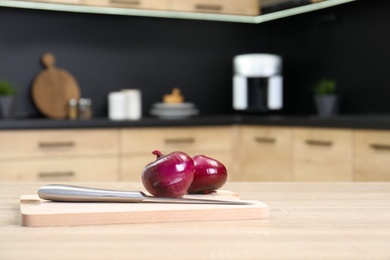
x=30 y=144
x=371 y=155
x=136 y=146
x=307 y=221
x=264 y=154
x=52 y=88
x=61 y=169
x=169 y=139
x=322 y=154
x=141 y=4
x=243 y=7
x=41 y=213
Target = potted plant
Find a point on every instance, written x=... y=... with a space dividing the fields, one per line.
x=7 y=97
x=326 y=98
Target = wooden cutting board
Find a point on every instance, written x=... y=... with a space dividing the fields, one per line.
x=52 y=89
x=41 y=213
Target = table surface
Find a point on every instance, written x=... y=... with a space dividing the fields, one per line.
x=307 y=221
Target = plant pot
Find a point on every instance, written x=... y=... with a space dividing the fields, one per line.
x=6 y=106
x=327 y=105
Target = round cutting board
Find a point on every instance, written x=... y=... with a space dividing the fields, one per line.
x=52 y=89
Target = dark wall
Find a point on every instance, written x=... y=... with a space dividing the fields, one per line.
x=350 y=43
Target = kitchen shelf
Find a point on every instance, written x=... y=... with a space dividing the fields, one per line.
x=172 y=14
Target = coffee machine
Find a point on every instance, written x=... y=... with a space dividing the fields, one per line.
x=257 y=83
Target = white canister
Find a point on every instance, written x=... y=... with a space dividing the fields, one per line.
x=117 y=106
x=133 y=104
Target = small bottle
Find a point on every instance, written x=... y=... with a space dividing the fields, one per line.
x=72 y=109
x=85 y=108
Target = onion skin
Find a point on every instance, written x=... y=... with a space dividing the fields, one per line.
x=210 y=175
x=169 y=175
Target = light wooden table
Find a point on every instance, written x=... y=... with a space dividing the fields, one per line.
x=308 y=221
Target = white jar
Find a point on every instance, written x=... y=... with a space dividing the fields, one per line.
x=133 y=104
x=117 y=106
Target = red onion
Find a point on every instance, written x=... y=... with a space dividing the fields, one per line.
x=169 y=175
x=210 y=175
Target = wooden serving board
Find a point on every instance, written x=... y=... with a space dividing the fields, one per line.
x=52 y=89
x=42 y=213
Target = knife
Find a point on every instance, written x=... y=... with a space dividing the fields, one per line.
x=71 y=193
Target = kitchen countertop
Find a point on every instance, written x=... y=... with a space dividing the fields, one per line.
x=307 y=221
x=351 y=121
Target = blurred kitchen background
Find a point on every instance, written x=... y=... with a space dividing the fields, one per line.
x=349 y=43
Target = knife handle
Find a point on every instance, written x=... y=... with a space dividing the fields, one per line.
x=70 y=193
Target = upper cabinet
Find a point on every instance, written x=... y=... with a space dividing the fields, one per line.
x=245 y=11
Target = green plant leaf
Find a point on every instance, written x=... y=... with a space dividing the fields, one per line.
x=7 y=88
x=325 y=87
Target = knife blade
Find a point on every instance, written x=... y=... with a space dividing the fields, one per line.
x=71 y=193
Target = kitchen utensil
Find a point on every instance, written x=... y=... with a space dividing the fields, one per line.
x=70 y=193
x=53 y=88
x=36 y=212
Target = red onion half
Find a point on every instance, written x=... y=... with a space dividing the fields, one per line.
x=210 y=175
x=169 y=175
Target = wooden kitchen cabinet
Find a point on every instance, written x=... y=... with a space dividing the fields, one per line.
x=242 y=7
x=322 y=154
x=72 y=155
x=247 y=11
x=250 y=153
x=60 y=169
x=72 y=2
x=138 y=4
x=264 y=154
x=371 y=155
x=40 y=143
x=138 y=144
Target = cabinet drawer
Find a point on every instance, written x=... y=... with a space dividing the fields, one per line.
x=39 y=143
x=322 y=155
x=75 y=2
x=243 y=7
x=187 y=139
x=372 y=155
x=264 y=154
x=70 y=169
x=141 y=4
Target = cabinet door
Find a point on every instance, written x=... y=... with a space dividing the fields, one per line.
x=139 y=4
x=137 y=145
x=57 y=1
x=60 y=169
x=264 y=154
x=243 y=7
x=187 y=139
x=371 y=155
x=42 y=143
x=322 y=154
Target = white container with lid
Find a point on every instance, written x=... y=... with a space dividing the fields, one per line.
x=133 y=104
x=117 y=106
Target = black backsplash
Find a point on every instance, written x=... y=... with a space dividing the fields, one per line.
x=350 y=43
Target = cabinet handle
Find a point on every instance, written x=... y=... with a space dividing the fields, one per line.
x=319 y=142
x=56 y=144
x=265 y=139
x=208 y=7
x=179 y=140
x=55 y=174
x=129 y=2
x=380 y=146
